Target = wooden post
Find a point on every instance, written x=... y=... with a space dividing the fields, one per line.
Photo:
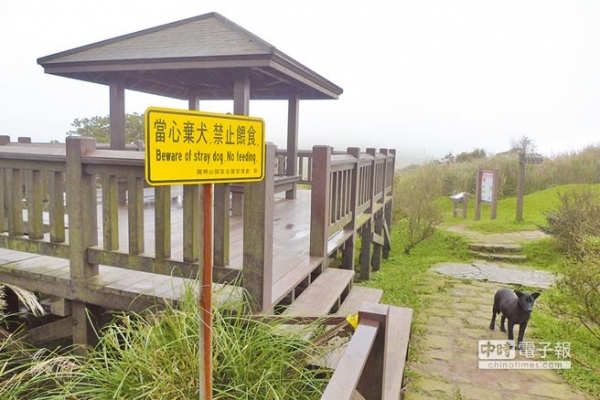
x=390 y=204
x=493 y=196
x=495 y=187
x=241 y=106
x=117 y=127
x=370 y=385
x=520 y=186
x=81 y=204
x=349 y=246
x=367 y=229
x=292 y=142
x=192 y=209
x=379 y=217
x=117 y=115
x=320 y=203
x=478 y=195
x=258 y=236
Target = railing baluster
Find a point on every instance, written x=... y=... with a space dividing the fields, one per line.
x=56 y=206
x=33 y=196
x=162 y=222
x=110 y=212
x=4 y=193
x=15 y=202
x=135 y=208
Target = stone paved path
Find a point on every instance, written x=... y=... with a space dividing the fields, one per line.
x=497 y=272
x=458 y=316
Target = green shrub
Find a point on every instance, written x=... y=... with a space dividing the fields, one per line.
x=580 y=287
x=577 y=217
x=415 y=206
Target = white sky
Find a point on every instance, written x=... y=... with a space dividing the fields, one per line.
x=424 y=77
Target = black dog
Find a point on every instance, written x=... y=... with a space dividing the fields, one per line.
x=516 y=310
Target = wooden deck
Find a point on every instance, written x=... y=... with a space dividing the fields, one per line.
x=291 y=260
x=77 y=223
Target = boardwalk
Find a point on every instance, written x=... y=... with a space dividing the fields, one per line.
x=69 y=233
x=291 y=249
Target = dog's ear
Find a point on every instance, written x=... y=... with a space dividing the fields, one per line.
x=518 y=293
x=535 y=295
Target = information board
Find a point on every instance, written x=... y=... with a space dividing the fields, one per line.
x=189 y=147
x=487 y=185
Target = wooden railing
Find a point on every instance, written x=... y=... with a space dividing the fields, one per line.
x=351 y=192
x=304 y=162
x=63 y=185
x=373 y=363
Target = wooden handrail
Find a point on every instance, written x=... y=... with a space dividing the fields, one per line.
x=374 y=360
x=345 y=379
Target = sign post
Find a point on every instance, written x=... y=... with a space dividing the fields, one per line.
x=189 y=147
x=523 y=159
x=487 y=191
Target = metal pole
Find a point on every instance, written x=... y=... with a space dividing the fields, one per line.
x=206 y=294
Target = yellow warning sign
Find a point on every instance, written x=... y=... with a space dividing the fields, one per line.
x=188 y=147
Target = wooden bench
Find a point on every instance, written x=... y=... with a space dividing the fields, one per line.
x=373 y=365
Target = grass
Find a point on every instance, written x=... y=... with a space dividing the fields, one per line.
x=535 y=206
x=156 y=356
x=405 y=281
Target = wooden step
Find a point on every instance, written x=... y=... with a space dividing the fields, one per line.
x=499 y=256
x=357 y=296
x=300 y=275
x=496 y=247
x=324 y=295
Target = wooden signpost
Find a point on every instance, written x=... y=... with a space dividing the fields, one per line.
x=486 y=191
x=524 y=159
x=188 y=147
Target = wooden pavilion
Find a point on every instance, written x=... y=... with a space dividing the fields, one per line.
x=207 y=57
x=64 y=232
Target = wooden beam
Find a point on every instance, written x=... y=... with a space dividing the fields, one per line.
x=292 y=142
x=83 y=233
x=320 y=203
x=50 y=331
x=117 y=115
x=258 y=236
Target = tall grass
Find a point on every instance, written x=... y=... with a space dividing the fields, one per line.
x=156 y=356
x=561 y=169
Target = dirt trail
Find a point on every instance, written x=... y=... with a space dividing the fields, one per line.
x=457 y=318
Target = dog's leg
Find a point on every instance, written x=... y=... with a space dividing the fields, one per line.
x=521 y=333
x=493 y=323
x=511 y=325
x=502 y=329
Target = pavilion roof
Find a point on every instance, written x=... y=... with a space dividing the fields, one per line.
x=197 y=56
